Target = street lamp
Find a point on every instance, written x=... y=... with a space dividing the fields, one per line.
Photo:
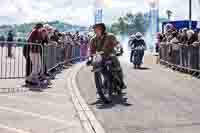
x=190 y=14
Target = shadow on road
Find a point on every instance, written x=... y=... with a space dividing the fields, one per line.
x=144 y=68
x=36 y=88
x=116 y=100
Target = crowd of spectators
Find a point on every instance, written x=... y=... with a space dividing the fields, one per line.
x=183 y=36
x=179 y=47
x=46 y=36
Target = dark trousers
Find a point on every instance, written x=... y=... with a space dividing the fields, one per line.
x=44 y=65
x=131 y=57
x=28 y=66
x=9 y=50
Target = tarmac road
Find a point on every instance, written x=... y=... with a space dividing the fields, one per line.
x=157 y=100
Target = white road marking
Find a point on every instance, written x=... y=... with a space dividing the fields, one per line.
x=49 y=118
x=55 y=95
x=90 y=123
x=31 y=100
x=13 y=129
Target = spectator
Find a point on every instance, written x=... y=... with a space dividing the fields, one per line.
x=159 y=39
x=190 y=37
x=196 y=35
x=169 y=35
x=83 y=48
x=174 y=38
x=77 y=36
x=10 y=40
x=183 y=36
x=2 y=40
x=199 y=37
x=68 y=48
x=50 y=30
x=35 y=51
x=44 y=41
x=55 y=37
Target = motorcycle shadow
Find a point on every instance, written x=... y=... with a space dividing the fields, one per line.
x=116 y=100
x=144 y=68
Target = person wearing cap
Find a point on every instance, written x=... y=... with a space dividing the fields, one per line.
x=190 y=37
x=106 y=42
x=32 y=53
x=55 y=37
x=183 y=36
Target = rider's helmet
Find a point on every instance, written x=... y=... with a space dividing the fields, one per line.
x=100 y=25
x=138 y=35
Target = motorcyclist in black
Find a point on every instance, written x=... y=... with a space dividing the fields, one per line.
x=138 y=47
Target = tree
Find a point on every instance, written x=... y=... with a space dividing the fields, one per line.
x=130 y=24
x=122 y=26
x=139 y=23
x=169 y=14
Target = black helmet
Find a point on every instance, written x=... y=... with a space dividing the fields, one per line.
x=102 y=25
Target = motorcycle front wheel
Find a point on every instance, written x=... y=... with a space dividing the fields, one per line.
x=103 y=87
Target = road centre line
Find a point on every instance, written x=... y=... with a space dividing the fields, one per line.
x=36 y=115
x=13 y=129
x=31 y=100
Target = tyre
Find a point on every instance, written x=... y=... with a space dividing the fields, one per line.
x=117 y=85
x=102 y=87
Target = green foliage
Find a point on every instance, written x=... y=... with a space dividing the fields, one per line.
x=129 y=24
x=24 y=29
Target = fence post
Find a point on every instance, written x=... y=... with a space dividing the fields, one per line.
x=189 y=57
x=180 y=55
x=199 y=58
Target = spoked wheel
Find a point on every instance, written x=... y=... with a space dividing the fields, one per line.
x=117 y=85
x=102 y=87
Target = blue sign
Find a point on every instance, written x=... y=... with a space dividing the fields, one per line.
x=99 y=16
x=195 y=25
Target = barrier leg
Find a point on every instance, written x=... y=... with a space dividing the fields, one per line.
x=199 y=59
x=181 y=57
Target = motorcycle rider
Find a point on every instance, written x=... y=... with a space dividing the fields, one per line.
x=137 y=43
x=130 y=42
x=106 y=42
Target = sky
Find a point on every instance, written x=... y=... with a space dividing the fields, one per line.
x=81 y=11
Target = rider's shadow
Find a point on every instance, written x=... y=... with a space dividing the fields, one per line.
x=116 y=100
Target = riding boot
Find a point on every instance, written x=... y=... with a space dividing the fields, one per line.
x=123 y=85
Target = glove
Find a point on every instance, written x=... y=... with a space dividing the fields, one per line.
x=89 y=62
x=98 y=58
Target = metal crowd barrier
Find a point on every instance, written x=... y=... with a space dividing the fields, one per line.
x=53 y=56
x=181 y=57
x=15 y=57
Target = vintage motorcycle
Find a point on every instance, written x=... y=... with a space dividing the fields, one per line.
x=106 y=80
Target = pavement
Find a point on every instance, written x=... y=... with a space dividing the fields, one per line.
x=158 y=100
x=50 y=111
